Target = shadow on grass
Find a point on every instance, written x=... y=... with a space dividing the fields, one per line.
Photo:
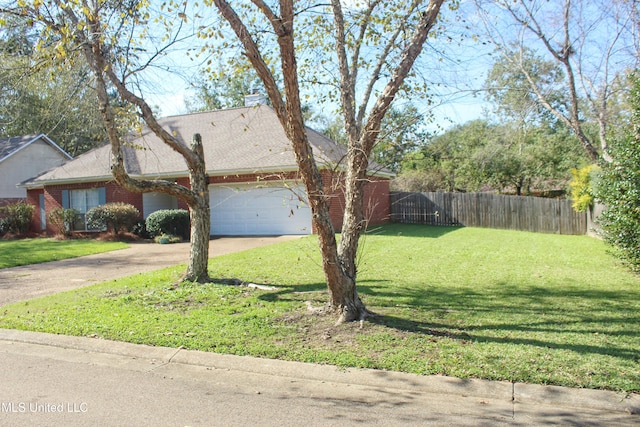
x=584 y=321
x=445 y=330
x=288 y=292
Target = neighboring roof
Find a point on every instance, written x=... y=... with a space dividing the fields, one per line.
x=10 y=146
x=236 y=141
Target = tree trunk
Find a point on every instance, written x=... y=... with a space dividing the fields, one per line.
x=198 y=268
x=200 y=214
x=339 y=263
x=345 y=301
x=197 y=197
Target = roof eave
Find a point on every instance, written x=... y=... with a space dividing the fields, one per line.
x=38 y=184
x=46 y=139
x=56 y=146
x=31 y=185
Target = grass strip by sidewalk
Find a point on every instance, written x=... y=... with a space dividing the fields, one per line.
x=14 y=253
x=464 y=302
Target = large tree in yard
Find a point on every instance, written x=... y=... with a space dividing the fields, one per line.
x=593 y=43
x=114 y=40
x=371 y=47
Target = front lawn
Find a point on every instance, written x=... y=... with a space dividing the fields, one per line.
x=464 y=302
x=34 y=251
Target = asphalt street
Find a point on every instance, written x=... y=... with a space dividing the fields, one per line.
x=51 y=380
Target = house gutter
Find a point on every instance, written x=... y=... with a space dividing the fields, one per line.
x=33 y=185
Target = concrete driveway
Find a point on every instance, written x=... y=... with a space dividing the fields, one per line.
x=31 y=281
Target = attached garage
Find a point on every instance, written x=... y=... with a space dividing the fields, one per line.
x=249 y=210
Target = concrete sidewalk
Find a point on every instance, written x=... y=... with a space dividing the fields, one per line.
x=52 y=380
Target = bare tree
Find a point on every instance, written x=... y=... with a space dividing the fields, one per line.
x=592 y=41
x=108 y=36
x=400 y=32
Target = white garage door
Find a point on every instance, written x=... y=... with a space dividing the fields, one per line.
x=152 y=202
x=245 y=210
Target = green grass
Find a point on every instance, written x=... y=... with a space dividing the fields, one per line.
x=465 y=302
x=35 y=251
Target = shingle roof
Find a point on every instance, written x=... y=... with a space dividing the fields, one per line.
x=9 y=146
x=239 y=140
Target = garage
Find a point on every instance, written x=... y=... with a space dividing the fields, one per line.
x=247 y=210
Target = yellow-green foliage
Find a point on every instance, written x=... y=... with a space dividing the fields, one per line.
x=581 y=188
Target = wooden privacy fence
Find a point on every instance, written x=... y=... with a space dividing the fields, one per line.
x=488 y=210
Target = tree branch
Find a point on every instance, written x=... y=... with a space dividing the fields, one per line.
x=375 y=76
x=409 y=55
x=253 y=54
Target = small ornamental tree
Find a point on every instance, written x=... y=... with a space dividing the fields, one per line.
x=582 y=188
x=113 y=216
x=63 y=220
x=366 y=52
x=619 y=189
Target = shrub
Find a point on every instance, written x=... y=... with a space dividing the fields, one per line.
x=173 y=222
x=166 y=239
x=581 y=187
x=113 y=216
x=140 y=229
x=619 y=190
x=63 y=219
x=16 y=218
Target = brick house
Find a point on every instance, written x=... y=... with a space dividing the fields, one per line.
x=254 y=183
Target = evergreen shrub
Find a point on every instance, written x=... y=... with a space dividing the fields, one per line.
x=16 y=218
x=115 y=217
x=174 y=222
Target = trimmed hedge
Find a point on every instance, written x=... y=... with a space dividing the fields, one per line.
x=113 y=216
x=174 y=222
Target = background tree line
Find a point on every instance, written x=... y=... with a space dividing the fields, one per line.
x=45 y=92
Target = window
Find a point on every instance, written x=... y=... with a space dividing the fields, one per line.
x=82 y=201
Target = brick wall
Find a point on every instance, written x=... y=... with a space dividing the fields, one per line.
x=377 y=202
x=33 y=198
x=377 y=207
x=115 y=193
x=53 y=198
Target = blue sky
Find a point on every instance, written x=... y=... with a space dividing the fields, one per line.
x=455 y=64
x=458 y=73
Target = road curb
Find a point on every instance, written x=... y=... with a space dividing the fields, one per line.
x=505 y=391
